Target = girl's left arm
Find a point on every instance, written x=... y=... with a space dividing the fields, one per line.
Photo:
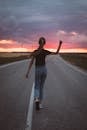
x=30 y=65
x=54 y=53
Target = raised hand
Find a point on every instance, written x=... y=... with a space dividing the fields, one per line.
x=60 y=42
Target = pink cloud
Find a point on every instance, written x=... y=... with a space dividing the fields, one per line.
x=71 y=37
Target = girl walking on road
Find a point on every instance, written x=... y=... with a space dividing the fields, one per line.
x=39 y=56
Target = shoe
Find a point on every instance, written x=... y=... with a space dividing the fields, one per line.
x=37 y=104
x=41 y=106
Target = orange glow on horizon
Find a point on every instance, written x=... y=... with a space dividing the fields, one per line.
x=14 y=50
x=75 y=50
x=14 y=46
x=78 y=50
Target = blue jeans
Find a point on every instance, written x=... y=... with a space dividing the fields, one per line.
x=40 y=76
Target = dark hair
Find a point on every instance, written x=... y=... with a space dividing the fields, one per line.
x=42 y=40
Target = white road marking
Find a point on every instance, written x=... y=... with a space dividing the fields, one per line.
x=12 y=63
x=30 y=111
x=73 y=67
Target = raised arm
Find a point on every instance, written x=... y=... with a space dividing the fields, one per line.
x=54 y=53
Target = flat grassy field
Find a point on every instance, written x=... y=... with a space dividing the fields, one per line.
x=6 y=57
x=78 y=59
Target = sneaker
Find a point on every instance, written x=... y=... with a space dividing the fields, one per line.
x=37 y=103
x=41 y=106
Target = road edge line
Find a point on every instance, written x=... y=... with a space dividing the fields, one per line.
x=76 y=68
x=12 y=63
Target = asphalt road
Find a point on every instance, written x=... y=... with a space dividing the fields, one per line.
x=65 y=101
x=15 y=92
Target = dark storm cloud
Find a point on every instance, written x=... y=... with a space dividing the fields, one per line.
x=20 y=19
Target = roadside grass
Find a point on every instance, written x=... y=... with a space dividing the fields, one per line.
x=77 y=59
x=6 y=58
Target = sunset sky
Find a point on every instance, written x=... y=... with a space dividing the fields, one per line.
x=22 y=22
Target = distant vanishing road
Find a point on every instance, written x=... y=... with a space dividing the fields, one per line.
x=65 y=102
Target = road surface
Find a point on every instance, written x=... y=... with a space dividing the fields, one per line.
x=65 y=100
